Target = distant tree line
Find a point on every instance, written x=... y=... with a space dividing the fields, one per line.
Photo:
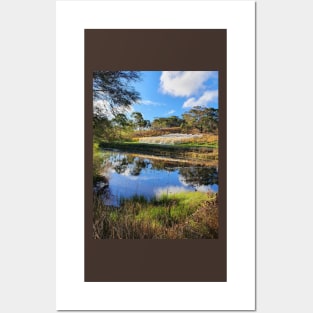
x=114 y=95
x=202 y=119
x=197 y=120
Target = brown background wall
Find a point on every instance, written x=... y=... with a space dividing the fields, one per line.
x=155 y=260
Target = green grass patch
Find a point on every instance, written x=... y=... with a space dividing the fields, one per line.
x=175 y=216
x=200 y=144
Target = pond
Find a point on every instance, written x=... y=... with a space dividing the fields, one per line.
x=129 y=175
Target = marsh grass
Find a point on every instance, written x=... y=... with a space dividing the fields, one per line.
x=185 y=215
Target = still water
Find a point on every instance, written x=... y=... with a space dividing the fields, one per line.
x=129 y=175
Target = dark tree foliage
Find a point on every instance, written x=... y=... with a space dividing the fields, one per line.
x=115 y=87
x=147 y=124
x=197 y=176
x=102 y=127
x=139 y=122
x=120 y=120
x=203 y=119
x=165 y=122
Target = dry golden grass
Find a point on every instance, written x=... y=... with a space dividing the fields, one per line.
x=199 y=139
x=156 y=132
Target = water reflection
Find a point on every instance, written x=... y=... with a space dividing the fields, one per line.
x=130 y=175
x=196 y=176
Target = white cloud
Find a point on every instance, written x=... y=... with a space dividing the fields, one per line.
x=102 y=107
x=208 y=96
x=169 y=190
x=130 y=110
x=203 y=188
x=170 y=112
x=149 y=102
x=183 y=83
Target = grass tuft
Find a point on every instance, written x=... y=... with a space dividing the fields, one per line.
x=185 y=215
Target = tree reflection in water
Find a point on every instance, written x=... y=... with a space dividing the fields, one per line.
x=196 y=176
x=134 y=164
x=191 y=175
x=122 y=163
x=130 y=175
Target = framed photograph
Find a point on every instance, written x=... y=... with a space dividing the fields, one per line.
x=155 y=142
x=155 y=155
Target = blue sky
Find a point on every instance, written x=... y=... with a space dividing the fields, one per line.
x=167 y=93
